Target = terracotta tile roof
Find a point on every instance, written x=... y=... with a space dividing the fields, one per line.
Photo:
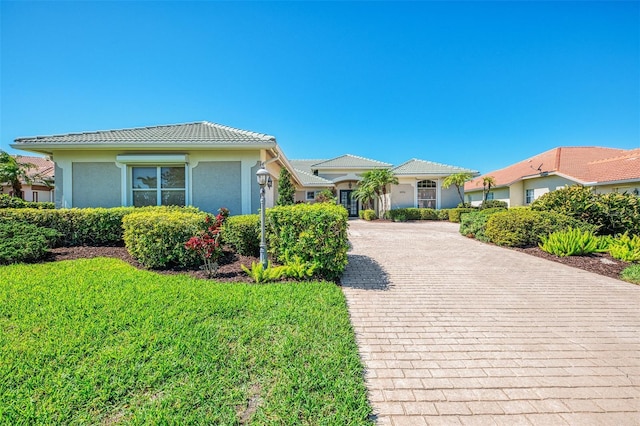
x=198 y=133
x=422 y=167
x=44 y=168
x=585 y=165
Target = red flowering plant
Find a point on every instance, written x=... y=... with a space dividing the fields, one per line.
x=207 y=242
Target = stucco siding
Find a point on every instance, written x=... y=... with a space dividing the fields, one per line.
x=403 y=196
x=58 y=187
x=449 y=197
x=95 y=185
x=217 y=184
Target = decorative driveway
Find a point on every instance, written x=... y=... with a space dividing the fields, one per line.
x=454 y=331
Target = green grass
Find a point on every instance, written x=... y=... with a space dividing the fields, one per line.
x=631 y=274
x=98 y=341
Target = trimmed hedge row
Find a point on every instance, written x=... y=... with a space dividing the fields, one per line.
x=473 y=224
x=243 y=234
x=315 y=233
x=156 y=238
x=9 y=202
x=523 y=227
x=414 y=213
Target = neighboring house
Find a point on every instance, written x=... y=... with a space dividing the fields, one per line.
x=604 y=169
x=419 y=181
x=41 y=185
x=201 y=164
x=209 y=166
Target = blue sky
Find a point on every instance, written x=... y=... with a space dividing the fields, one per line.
x=474 y=84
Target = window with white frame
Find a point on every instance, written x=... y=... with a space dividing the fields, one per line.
x=158 y=186
x=529 y=196
x=311 y=195
x=426 y=196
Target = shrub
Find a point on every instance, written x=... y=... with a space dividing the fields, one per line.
x=611 y=213
x=473 y=224
x=156 y=238
x=368 y=214
x=9 y=202
x=442 y=214
x=625 y=248
x=455 y=214
x=490 y=204
x=428 y=214
x=243 y=234
x=411 y=213
x=317 y=233
x=631 y=274
x=206 y=243
x=570 y=242
x=24 y=242
x=523 y=227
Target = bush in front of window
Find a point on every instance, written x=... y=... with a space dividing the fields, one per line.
x=523 y=227
x=156 y=237
x=491 y=204
x=9 y=202
x=24 y=242
x=313 y=233
x=243 y=234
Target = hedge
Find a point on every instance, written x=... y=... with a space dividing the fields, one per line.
x=9 y=202
x=316 y=233
x=156 y=238
x=243 y=234
x=523 y=227
x=367 y=214
x=412 y=213
x=473 y=224
x=24 y=242
x=456 y=214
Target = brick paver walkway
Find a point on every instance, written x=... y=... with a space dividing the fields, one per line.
x=453 y=331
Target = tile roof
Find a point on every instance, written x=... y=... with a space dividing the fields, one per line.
x=587 y=164
x=349 y=161
x=44 y=168
x=198 y=133
x=422 y=167
x=305 y=165
x=309 y=179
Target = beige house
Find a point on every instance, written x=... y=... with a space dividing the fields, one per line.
x=209 y=166
x=604 y=169
x=40 y=187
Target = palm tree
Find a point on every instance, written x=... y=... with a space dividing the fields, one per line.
x=365 y=195
x=14 y=172
x=487 y=183
x=377 y=181
x=457 y=180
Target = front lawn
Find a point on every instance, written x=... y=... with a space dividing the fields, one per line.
x=98 y=341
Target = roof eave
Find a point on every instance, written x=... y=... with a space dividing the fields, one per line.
x=48 y=147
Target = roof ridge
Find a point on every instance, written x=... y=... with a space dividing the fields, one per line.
x=450 y=166
x=235 y=129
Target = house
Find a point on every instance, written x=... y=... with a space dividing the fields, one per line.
x=604 y=169
x=40 y=186
x=419 y=181
x=209 y=165
x=202 y=164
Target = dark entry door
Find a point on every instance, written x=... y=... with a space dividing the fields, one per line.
x=348 y=203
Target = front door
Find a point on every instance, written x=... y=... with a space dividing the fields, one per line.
x=348 y=203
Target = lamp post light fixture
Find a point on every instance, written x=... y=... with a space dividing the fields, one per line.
x=263 y=177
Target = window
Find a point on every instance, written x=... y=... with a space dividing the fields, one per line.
x=145 y=190
x=490 y=196
x=529 y=196
x=34 y=195
x=427 y=194
x=311 y=195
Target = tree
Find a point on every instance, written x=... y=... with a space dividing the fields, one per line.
x=286 y=190
x=365 y=195
x=377 y=181
x=14 y=172
x=457 y=180
x=326 y=196
x=487 y=183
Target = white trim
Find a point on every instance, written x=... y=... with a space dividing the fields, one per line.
x=152 y=158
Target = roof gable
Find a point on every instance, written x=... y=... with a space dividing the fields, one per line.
x=586 y=164
x=349 y=161
x=422 y=167
x=202 y=132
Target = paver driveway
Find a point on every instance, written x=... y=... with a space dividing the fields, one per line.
x=453 y=331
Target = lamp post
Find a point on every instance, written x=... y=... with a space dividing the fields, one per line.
x=263 y=177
